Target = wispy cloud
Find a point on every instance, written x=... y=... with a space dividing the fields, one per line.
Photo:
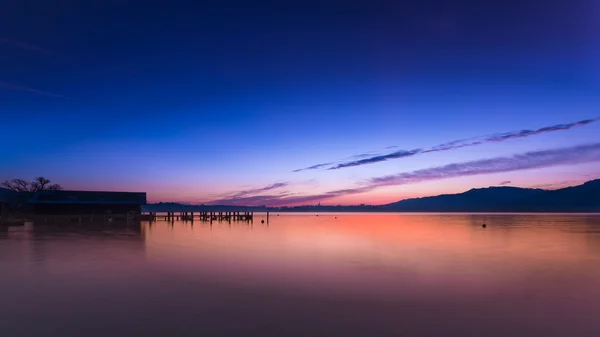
x=256 y=200
x=27 y=89
x=507 y=182
x=288 y=198
x=453 y=145
x=73 y=59
x=244 y=193
x=249 y=197
x=559 y=184
x=314 y=167
x=525 y=161
x=376 y=159
x=28 y=46
x=351 y=159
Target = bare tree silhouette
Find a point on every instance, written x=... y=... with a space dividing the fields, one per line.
x=38 y=184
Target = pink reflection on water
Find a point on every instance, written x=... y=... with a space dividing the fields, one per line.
x=379 y=255
x=301 y=275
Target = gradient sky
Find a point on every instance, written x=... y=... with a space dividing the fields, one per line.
x=221 y=101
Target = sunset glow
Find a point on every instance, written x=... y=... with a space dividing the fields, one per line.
x=199 y=118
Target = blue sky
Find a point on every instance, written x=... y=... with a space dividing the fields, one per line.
x=197 y=101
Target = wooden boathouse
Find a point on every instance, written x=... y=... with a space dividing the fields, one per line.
x=5 y=201
x=65 y=206
x=86 y=202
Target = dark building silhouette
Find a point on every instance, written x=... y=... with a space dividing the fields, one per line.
x=86 y=202
x=5 y=201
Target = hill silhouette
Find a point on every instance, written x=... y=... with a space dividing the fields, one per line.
x=491 y=199
x=582 y=198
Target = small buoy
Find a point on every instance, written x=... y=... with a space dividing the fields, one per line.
x=262 y=221
x=484 y=225
x=336 y=217
x=317 y=214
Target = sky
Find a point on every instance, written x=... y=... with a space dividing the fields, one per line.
x=285 y=103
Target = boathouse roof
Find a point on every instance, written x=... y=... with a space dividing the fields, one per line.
x=5 y=194
x=88 y=197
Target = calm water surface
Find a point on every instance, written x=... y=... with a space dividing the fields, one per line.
x=303 y=275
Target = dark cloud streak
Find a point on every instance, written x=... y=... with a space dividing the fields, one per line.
x=288 y=198
x=453 y=145
x=241 y=194
x=314 y=167
x=530 y=160
x=376 y=159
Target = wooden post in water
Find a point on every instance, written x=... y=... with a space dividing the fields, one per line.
x=267 y=217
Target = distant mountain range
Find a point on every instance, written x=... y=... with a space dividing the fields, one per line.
x=582 y=198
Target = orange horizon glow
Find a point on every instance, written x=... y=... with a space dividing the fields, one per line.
x=305 y=248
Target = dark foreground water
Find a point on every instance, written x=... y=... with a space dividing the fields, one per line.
x=303 y=275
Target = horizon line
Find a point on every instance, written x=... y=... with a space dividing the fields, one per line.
x=374 y=205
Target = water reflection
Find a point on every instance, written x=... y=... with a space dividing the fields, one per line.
x=400 y=247
x=336 y=274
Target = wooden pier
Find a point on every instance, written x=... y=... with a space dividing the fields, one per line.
x=128 y=218
x=200 y=216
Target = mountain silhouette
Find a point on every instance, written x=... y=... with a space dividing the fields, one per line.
x=582 y=198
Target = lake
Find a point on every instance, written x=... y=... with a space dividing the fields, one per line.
x=307 y=275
